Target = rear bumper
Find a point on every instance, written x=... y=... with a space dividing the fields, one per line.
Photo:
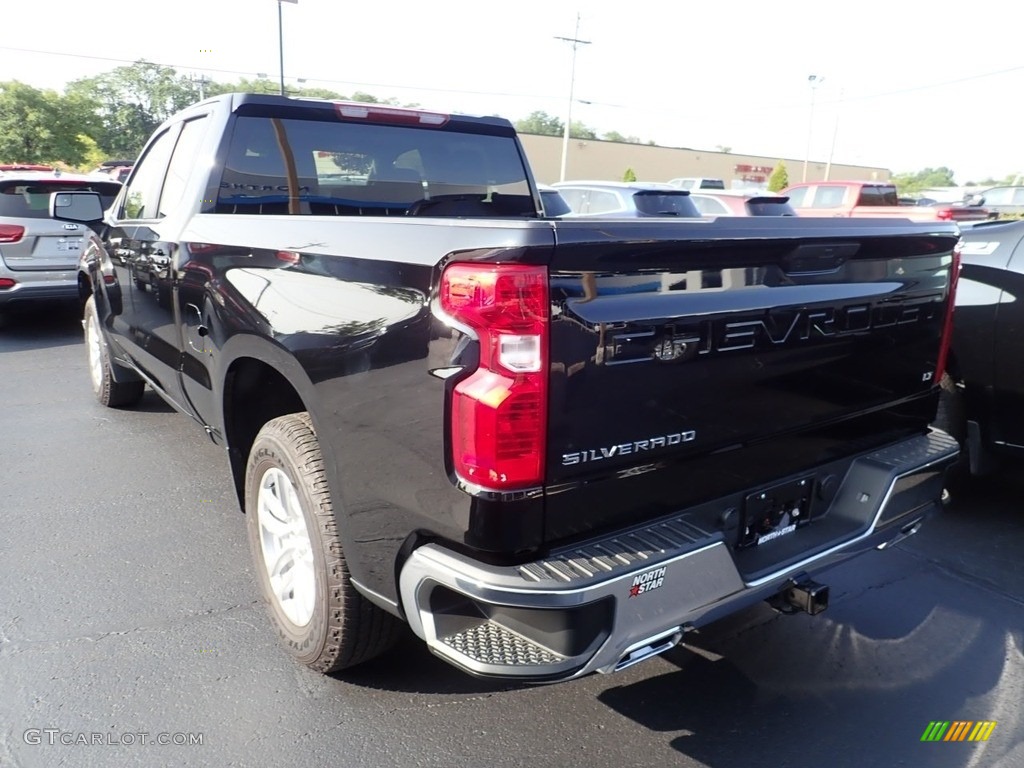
x=613 y=601
x=38 y=287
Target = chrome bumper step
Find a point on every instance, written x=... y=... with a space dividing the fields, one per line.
x=491 y=643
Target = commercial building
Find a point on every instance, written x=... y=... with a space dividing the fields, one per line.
x=595 y=159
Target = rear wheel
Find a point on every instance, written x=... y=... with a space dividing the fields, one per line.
x=321 y=618
x=109 y=392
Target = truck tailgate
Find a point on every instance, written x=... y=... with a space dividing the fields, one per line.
x=689 y=339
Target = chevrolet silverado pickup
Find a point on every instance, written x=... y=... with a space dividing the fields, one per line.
x=871 y=199
x=547 y=446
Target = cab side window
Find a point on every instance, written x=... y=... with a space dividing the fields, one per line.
x=142 y=195
x=574 y=198
x=998 y=196
x=604 y=202
x=797 y=196
x=829 y=197
x=182 y=162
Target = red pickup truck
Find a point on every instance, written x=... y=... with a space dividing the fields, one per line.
x=870 y=199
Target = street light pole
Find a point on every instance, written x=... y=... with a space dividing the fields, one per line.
x=835 y=133
x=280 y=37
x=576 y=42
x=815 y=81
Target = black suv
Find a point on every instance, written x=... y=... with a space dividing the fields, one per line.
x=983 y=392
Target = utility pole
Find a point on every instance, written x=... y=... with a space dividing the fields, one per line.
x=835 y=134
x=202 y=80
x=576 y=42
x=280 y=37
x=814 y=82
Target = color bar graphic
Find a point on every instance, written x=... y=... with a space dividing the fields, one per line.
x=958 y=730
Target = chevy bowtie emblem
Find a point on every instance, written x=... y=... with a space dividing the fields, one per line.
x=672 y=348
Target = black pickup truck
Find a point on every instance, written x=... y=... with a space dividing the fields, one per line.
x=549 y=446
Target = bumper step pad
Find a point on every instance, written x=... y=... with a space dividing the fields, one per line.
x=491 y=643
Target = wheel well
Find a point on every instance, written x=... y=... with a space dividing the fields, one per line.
x=84 y=289
x=254 y=393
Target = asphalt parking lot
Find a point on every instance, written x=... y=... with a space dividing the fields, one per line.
x=129 y=615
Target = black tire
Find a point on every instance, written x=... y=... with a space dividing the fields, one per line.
x=952 y=419
x=111 y=393
x=343 y=628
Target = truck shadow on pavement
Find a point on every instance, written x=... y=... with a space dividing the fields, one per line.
x=412 y=668
x=933 y=630
x=56 y=325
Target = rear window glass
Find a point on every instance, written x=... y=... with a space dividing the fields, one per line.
x=759 y=206
x=350 y=169
x=875 y=195
x=712 y=184
x=663 y=203
x=24 y=199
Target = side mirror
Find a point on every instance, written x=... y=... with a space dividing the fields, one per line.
x=975 y=200
x=85 y=207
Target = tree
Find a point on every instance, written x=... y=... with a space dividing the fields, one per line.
x=779 y=179
x=40 y=126
x=580 y=131
x=616 y=136
x=541 y=124
x=131 y=101
x=629 y=175
x=913 y=182
x=92 y=154
x=723 y=149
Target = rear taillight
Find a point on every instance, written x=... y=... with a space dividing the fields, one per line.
x=944 y=214
x=499 y=412
x=6 y=282
x=947 y=326
x=10 y=233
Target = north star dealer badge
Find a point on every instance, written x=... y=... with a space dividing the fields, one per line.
x=645 y=582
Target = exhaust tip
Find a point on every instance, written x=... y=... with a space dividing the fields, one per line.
x=647 y=649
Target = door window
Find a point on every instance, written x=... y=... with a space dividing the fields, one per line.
x=998 y=196
x=796 y=196
x=182 y=162
x=604 y=202
x=574 y=197
x=829 y=197
x=141 y=198
x=708 y=205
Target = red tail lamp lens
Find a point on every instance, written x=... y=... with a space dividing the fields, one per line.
x=499 y=413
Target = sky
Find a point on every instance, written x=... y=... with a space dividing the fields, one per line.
x=900 y=84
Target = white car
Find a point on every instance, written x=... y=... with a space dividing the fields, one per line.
x=695 y=182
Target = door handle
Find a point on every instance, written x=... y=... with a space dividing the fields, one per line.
x=201 y=330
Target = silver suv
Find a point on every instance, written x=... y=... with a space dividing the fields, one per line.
x=38 y=255
x=626 y=199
